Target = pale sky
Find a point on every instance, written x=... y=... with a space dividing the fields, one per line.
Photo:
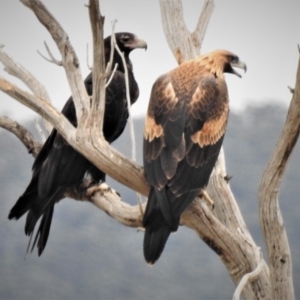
x=264 y=34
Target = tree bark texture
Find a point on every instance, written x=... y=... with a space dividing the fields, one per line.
x=280 y=261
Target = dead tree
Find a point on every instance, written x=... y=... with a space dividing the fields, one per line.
x=223 y=229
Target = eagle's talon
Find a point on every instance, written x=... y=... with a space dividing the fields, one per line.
x=92 y=190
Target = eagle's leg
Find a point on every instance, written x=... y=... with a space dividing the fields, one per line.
x=203 y=194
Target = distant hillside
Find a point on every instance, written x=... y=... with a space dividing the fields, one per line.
x=91 y=256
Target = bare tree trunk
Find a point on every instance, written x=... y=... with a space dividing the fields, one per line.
x=223 y=229
x=270 y=216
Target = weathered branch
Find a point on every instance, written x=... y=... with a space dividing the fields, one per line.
x=52 y=59
x=203 y=21
x=40 y=131
x=22 y=133
x=100 y=153
x=239 y=255
x=246 y=278
x=69 y=58
x=38 y=105
x=17 y=70
x=225 y=232
x=112 y=50
x=98 y=103
x=270 y=216
x=109 y=201
x=184 y=45
x=101 y=196
x=87 y=58
x=111 y=76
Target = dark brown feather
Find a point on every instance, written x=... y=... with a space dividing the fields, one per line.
x=184 y=130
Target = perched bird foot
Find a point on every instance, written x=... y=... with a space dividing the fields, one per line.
x=102 y=188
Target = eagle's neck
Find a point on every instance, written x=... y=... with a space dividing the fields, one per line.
x=212 y=65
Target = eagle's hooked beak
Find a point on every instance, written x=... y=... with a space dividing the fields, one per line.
x=138 y=43
x=238 y=64
x=141 y=44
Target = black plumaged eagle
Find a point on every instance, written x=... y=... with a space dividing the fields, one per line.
x=184 y=130
x=58 y=166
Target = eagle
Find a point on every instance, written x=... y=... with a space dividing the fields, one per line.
x=184 y=130
x=58 y=166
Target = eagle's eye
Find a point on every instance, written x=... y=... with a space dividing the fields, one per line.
x=125 y=38
x=233 y=58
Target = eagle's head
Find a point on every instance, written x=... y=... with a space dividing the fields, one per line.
x=222 y=61
x=127 y=41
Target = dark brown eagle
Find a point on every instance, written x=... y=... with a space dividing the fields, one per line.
x=184 y=130
x=58 y=166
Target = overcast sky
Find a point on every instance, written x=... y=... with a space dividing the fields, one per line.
x=264 y=34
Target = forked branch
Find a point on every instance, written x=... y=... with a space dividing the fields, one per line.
x=69 y=57
x=52 y=59
x=17 y=70
x=185 y=45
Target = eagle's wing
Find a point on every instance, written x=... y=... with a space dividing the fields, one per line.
x=183 y=135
